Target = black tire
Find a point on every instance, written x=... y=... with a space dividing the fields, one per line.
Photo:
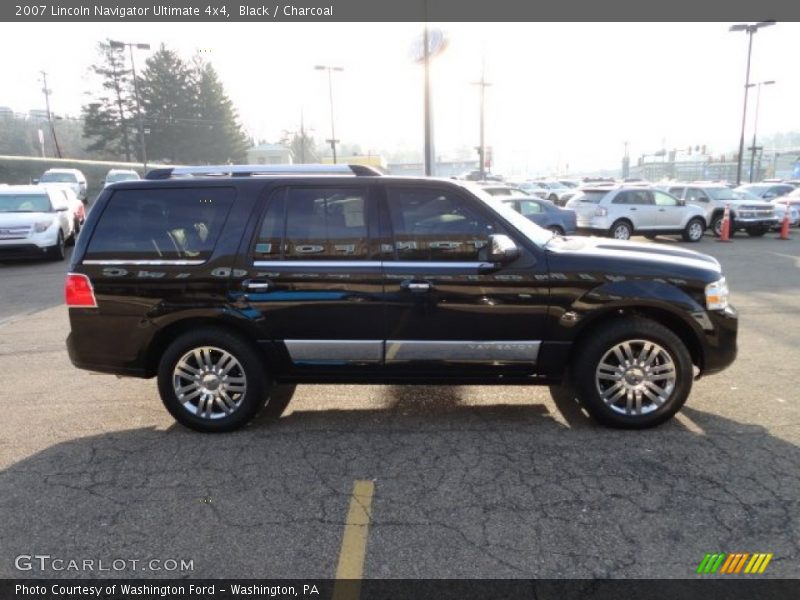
x=716 y=226
x=690 y=234
x=618 y=227
x=277 y=400
x=76 y=228
x=590 y=353
x=650 y=236
x=59 y=251
x=250 y=366
x=556 y=230
x=759 y=232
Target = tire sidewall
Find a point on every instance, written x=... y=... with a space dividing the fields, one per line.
x=618 y=224
x=589 y=355
x=252 y=365
x=688 y=236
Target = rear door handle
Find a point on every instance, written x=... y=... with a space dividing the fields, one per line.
x=257 y=285
x=416 y=287
x=633 y=208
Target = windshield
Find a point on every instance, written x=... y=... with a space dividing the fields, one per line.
x=58 y=178
x=754 y=189
x=114 y=177
x=536 y=234
x=722 y=193
x=15 y=203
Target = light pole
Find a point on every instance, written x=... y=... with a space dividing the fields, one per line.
x=749 y=29
x=755 y=125
x=333 y=141
x=482 y=147
x=130 y=45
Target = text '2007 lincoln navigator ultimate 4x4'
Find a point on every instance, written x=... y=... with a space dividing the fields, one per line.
x=231 y=284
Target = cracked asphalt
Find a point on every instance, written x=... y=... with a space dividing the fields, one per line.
x=472 y=482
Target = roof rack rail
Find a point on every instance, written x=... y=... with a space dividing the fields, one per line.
x=250 y=170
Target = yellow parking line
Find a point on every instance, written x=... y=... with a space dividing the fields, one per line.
x=354 y=542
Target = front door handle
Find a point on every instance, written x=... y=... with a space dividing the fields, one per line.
x=633 y=208
x=416 y=287
x=257 y=285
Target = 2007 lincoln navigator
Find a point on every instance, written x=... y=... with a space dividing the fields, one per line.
x=231 y=284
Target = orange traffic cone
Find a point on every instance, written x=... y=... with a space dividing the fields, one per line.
x=785 y=225
x=725 y=234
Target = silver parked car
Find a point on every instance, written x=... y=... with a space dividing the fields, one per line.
x=621 y=212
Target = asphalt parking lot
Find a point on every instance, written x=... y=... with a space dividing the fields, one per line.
x=471 y=482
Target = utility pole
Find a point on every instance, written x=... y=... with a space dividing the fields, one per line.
x=140 y=46
x=749 y=29
x=49 y=114
x=333 y=141
x=754 y=148
x=482 y=147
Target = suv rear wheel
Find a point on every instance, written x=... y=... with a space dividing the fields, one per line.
x=633 y=373
x=621 y=230
x=211 y=380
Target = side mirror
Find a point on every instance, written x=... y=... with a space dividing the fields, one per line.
x=681 y=202
x=502 y=249
x=770 y=195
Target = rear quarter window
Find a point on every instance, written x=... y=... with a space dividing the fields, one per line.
x=161 y=224
x=593 y=197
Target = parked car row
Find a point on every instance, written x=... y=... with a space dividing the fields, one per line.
x=40 y=220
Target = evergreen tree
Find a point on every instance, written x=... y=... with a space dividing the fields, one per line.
x=109 y=116
x=169 y=100
x=219 y=136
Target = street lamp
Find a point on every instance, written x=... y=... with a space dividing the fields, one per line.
x=755 y=124
x=130 y=45
x=333 y=141
x=749 y=29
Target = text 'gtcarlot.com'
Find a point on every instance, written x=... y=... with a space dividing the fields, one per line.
x=47 y=562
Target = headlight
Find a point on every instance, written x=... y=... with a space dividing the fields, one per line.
x=717 y=295
x=42 y=226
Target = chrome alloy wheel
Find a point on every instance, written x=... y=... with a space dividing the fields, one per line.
x=622 y=232
x=695 y=231
x=209 y=382
x=635 y=377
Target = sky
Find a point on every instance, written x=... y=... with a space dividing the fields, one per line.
x=563 y=97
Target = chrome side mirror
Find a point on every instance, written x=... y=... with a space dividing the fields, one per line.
x=502 y=249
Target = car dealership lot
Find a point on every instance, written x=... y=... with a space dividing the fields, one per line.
x=468 y=481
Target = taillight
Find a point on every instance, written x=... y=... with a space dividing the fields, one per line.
x=78 y=291
x=600 y=211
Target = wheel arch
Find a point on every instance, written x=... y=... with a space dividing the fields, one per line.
x=671 y=320
x=168 y=333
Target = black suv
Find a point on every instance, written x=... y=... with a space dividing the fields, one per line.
x=232 y=284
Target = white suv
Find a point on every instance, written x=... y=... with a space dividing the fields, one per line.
x=72 y=177
x=624 y=211
x=34 y=221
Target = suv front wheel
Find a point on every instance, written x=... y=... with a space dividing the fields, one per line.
x=633 y=373
x=212 y=380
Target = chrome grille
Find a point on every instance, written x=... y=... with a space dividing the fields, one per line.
x=16 y=232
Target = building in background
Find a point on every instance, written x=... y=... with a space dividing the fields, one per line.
x=269 y=154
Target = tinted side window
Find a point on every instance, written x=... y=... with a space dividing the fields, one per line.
x=319 y=224
x=434 y=224
x=696 y=195
x=663 y=199
x=161 y=224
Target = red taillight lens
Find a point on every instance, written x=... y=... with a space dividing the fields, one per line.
x=78 y=291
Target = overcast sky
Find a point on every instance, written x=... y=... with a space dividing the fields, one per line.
x=561 y=94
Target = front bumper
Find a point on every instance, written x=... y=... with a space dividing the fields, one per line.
x=720 y=345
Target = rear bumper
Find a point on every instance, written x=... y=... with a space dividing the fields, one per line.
x=82 y=359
